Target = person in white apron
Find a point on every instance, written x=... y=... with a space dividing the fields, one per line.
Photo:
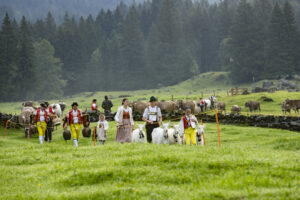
x=102 y=128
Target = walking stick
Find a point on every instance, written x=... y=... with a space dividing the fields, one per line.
x=217 y=120
x=5 y=128
x=94 y=136
x=203 y=134
x=28 y=132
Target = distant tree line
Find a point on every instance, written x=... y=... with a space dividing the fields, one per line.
x=149 y=45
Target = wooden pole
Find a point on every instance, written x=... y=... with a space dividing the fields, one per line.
x=217 y=121
x=94 y=136
x=203 y=134
x=28 y=136
x=5 y=128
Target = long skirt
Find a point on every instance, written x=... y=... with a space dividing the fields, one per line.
x=124 y=132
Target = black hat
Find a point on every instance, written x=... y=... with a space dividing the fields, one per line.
x=43 y=105
x=46 y=103
x=94 y=100
x=74 y=104
x=152 y=99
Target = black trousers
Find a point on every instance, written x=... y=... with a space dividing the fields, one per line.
x=202 y=108
x=48 y=134
x=149 y=129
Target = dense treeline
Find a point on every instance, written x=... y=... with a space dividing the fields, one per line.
x=148 y=45
x=36 y=9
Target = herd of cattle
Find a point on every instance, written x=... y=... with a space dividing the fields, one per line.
x=173 y=107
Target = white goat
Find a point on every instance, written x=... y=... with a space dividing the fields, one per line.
x=173 y=134
x=180 y=140
x=160 y=135
x=200 y=135
x=57 y=109
x=138 y=135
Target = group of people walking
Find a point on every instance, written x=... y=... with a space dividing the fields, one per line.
x=124 y=117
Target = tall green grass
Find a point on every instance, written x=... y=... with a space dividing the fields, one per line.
x=253 y=163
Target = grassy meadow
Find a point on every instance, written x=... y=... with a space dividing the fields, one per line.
x=253 y=163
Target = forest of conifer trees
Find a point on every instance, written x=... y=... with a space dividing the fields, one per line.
x=148 y=45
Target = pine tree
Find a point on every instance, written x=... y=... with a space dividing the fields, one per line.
x=49 y=82
x=170 y=60
x=244 y=43
x=262 y=13
x=133 y=52
x=38 y=30
x=27 y=68
x=291 y=40
x=50 y=29
x=8 y=65
x=275 y=52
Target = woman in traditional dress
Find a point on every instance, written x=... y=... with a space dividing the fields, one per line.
x=125 y=123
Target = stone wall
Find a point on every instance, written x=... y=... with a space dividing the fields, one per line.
x=280 y=122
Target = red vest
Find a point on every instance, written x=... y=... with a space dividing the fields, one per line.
x=51 y=110
x=38 y=115
x=71 y=117
x=185 y=123
x=93 y=107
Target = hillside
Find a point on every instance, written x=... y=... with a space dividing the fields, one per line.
x=203 y=84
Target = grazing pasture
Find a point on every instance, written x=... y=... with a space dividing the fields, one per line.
x=192 y=89
x=253 y=163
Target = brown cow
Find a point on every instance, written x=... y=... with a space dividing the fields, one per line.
x=285 y=108
x=181 y=105
x=167 y=107
x=252 y=105
x=221 y=107
x=236 y=109
x=294 y=104
x=29 y=104
x=138 y=107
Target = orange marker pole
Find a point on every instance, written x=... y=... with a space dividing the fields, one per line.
x=217 y=120
x=203 y=134
x=28 y=132
x=94 y=136
x=5 y=128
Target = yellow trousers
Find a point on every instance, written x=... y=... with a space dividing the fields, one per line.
x=75 y=129
x=41 y=127
x=190 y=134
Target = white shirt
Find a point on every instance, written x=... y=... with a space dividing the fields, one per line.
x=75 y=117
x=193 y=124
x=42 y=115
x=119 y=115
x=48 y=110
x=94 y=105
x=152 y=117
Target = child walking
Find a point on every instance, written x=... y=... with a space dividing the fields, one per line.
x=188 y=125
x=102 y=128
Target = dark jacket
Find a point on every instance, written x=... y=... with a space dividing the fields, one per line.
x=107 y=104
